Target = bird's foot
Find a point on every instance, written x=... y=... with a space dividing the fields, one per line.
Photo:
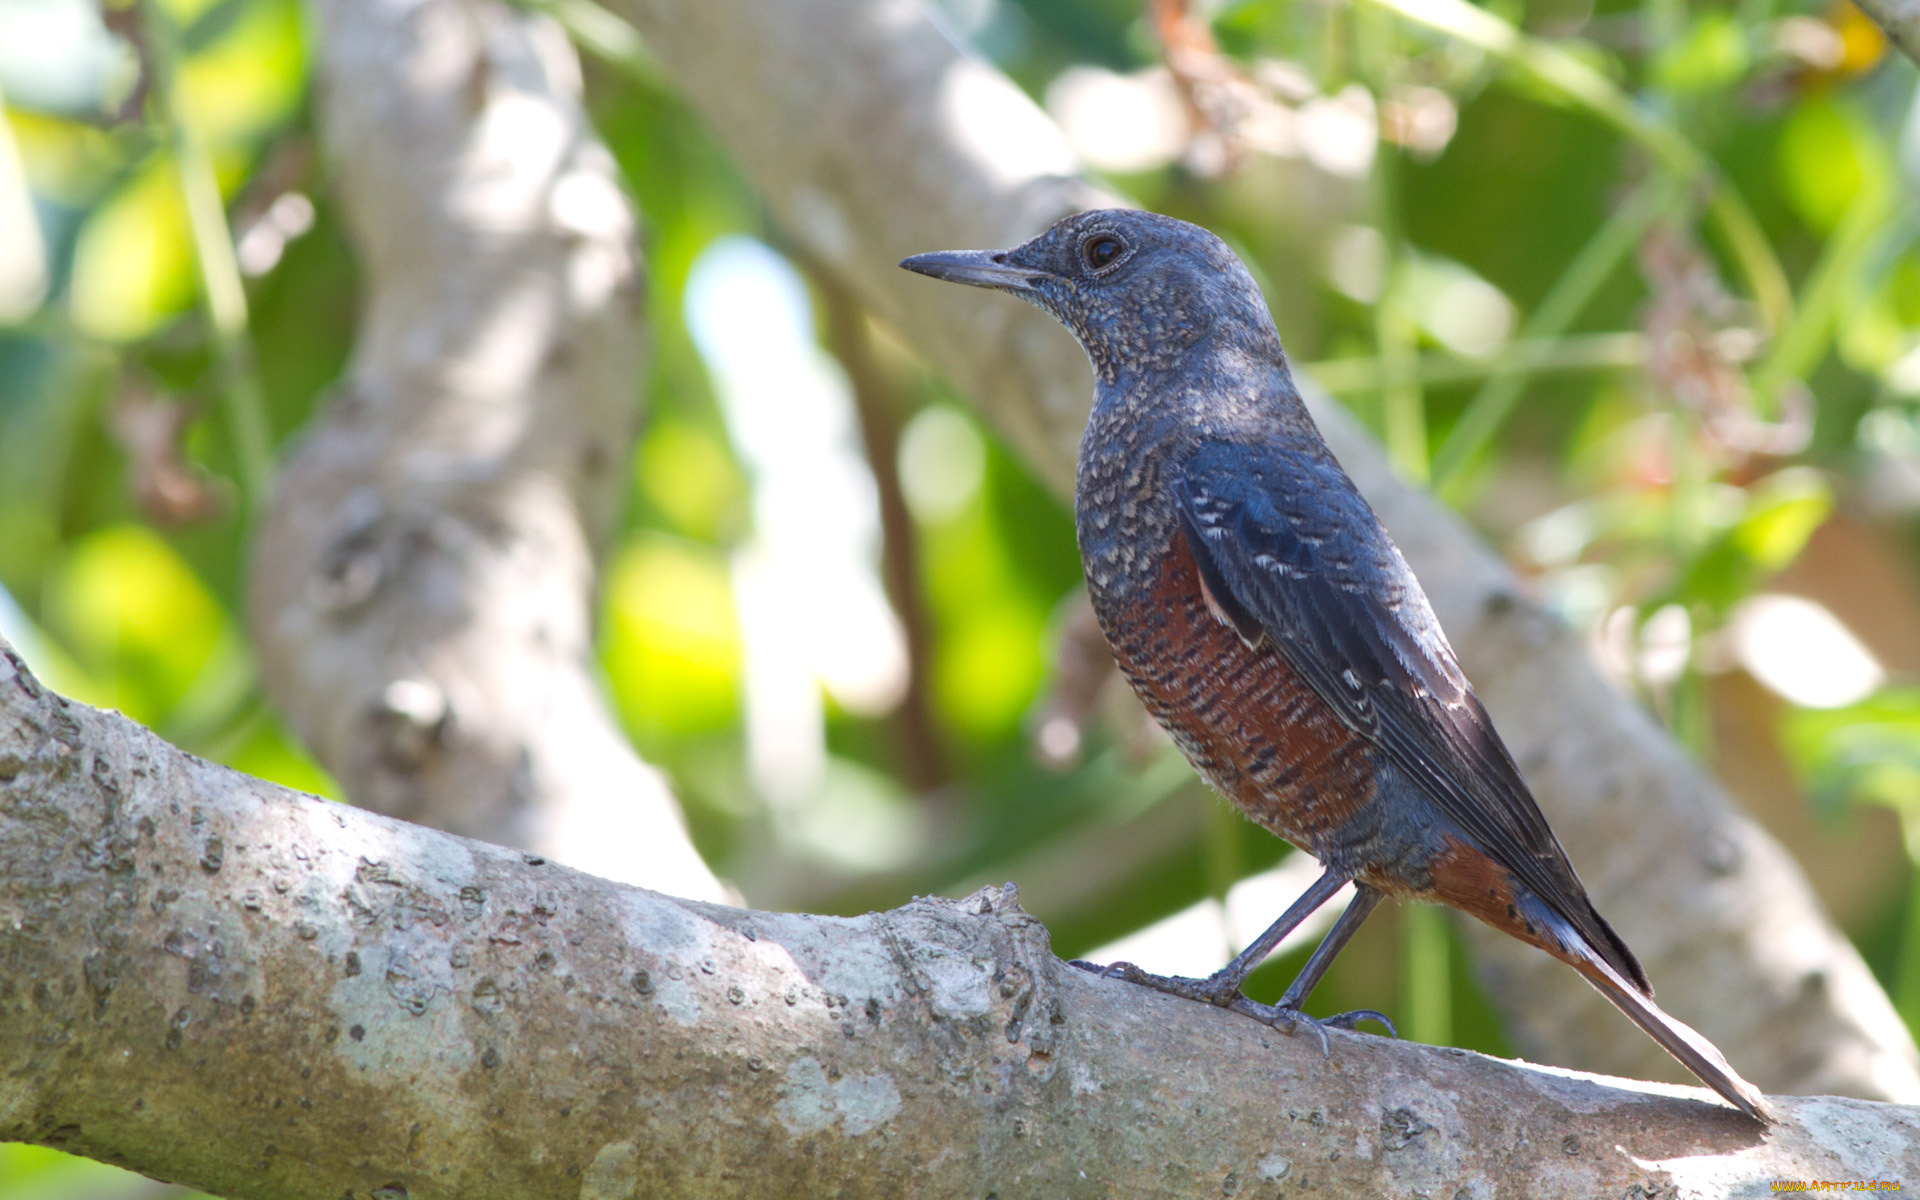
x=1289 y=1019
x=1223 y=991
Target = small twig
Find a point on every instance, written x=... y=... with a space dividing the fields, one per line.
x=1800 y=344
x=169 y=487
x=1564 y=301
x=924 y=762
x=1906 y=984
x=1584 y=352
x=1694 y=329
x=224 y=295
x=1082 y=668
x=129 y=24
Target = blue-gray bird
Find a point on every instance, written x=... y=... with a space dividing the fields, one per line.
x=1266 y=619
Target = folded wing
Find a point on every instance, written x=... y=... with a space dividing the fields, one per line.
x=1298 y=561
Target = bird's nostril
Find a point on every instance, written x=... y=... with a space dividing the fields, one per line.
x=1000 y=258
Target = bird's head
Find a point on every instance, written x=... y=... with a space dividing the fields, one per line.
x=1137 y=289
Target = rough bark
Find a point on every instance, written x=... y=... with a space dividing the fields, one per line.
x=219 y=982
x=873 y=136
x=422 y=588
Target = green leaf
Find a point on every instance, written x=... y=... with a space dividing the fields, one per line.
x=133 y=263
x=1711 y=54
x=1779 y=514
x=1829 y=153
x=671 y=646
x=139 y=619
x=691 y=477
x=1782 y=513
x=1866 y=753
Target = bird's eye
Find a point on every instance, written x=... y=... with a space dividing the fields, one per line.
x=1102 y=250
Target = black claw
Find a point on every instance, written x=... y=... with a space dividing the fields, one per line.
x=1351 y=1021
x=1286 y=1020
x=1120 y=970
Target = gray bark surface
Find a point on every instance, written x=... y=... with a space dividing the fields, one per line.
x=873 y=136
x=422 y=589
x=222 y=983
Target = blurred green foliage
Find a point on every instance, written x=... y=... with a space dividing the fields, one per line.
x=1680 y=477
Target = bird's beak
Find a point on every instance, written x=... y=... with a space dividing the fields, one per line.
x=981 y=268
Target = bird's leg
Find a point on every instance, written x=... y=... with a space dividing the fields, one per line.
x=1365 y=900
x=1223 y=986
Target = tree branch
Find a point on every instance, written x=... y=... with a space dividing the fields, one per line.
x=873 y=136
x=877 y=405
x=422 y=588
x=217 y=981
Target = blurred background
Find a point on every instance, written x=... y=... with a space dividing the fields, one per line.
x=1461 y=235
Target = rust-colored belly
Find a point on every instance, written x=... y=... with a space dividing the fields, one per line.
x=1250 y=725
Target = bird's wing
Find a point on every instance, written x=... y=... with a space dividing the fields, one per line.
x=1296 y=559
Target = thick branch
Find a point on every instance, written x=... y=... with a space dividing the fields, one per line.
x=222 y=983
x=423 y=585
x=874 y=137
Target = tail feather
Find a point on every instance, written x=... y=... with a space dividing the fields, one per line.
x=1695 y=1053
x=1474 y=883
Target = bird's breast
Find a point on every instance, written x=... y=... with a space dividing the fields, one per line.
x=1249 y=724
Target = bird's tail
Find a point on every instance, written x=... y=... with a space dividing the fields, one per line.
x=1473 y=882
x=1695 y=1053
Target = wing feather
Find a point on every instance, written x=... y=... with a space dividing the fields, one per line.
x=1297 y=559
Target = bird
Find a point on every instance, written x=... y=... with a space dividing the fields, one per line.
x=1266 y=619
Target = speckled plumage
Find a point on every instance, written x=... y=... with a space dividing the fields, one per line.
x=1266 y=619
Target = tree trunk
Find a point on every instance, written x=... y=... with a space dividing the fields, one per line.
x=423 y=585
